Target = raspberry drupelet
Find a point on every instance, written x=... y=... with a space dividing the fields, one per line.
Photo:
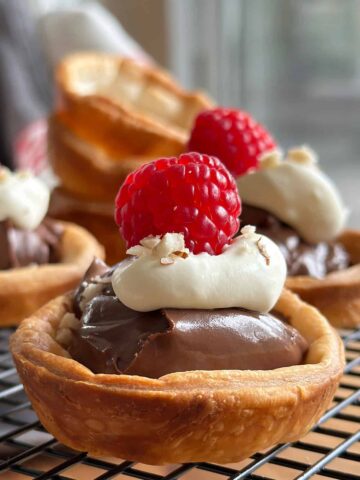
x=193 y=194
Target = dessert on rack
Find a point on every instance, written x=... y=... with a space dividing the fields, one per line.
x=113 y=115
x=189 y=349
x=39 y=257
x=289 y=199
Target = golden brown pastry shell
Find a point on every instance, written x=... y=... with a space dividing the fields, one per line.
x=97 y=217
x=134 y=107
x=24 y=290
x=85 y=170
x=337 y=295
x=114 y=115
x=216 y=416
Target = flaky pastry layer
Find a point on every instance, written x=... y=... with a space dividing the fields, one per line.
x=337 y=295
x=114 y=113
x=216 y=416
x=24 y=290
x=84 y=169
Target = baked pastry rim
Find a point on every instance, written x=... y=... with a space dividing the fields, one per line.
x=301 y=393
x=153 y=75
x=108 y=135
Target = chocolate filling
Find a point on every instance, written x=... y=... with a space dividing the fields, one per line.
x=115 y=339
x=20 y=248
x=302 y=258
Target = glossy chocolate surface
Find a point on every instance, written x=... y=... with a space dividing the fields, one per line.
x=301 y=257
x=20 y=248
x=115 y=339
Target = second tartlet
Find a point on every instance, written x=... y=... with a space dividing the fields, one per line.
x=215 y=408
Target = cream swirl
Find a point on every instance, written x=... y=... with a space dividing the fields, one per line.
x=24 y=199
x=249 y=273
x=297 y=192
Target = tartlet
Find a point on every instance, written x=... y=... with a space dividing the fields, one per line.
x=40 y=257
x=24 y=290
x=288 y=198
x=218 y=416
x=337 y=295
x=113 y=110
x=183 y=303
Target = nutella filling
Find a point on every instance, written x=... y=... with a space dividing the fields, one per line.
x=20 y=248
x=115 y=339
x=302 y=258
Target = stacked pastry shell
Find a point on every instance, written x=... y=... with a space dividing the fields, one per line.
x=112 y=115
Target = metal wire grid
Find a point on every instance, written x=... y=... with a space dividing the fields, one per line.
x=331 y=450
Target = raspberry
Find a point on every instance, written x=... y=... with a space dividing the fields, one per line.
x=193 y=194
x=233 y=136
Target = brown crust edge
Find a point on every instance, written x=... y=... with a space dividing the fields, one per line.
x=84 y=169
x=152 y=76
x=337 y=295
x=24 y=290
x=96 y=217
x=218 y=416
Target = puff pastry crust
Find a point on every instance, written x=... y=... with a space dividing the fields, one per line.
x=337 y=295
x=114 y=113
x=95 y=216
x=216 y=416
x=24 y=290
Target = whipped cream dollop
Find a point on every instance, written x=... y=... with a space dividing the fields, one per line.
x=249 y=273
x=297 y=192
x=24 y=199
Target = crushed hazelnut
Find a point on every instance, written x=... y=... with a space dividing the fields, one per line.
x=303 y=155
x=167 y=248
x=248 y=231
x=166 y=261
x=137 y=251
x=263 y=251
x=150 y=242
x=270 y=159
x=181 y=254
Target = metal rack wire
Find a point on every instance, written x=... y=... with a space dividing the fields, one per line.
x=331 y=450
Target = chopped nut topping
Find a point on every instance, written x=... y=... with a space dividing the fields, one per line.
x=303 y=155
x=248 y=231
x=263 y=251
x=181 y=254
x=167 y=248
x=150 y=242
x=270 y=159
x=166 y=261
x=137 y=251
x=170 y=243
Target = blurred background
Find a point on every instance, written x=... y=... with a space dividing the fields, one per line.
x=293 y=64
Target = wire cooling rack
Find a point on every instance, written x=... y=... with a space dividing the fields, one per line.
x=331 y=450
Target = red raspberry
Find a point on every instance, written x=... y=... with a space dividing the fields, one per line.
x=231 y=135
x=193 y=194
